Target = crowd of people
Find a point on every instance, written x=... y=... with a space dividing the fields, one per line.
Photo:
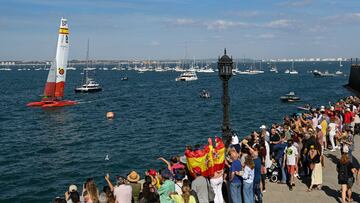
x=280 y=153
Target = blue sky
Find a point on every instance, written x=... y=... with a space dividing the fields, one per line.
x=162 y=29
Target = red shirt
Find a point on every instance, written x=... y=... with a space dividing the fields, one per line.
x=348 y=117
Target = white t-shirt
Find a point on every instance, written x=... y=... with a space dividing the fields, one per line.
x=123 y=193
x=291 y=154
x=332 y=127
x=178 y=187
x=248 y=174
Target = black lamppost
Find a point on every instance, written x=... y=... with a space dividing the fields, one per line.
x=225 y=66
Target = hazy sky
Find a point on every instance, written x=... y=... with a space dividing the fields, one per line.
x=159 y=29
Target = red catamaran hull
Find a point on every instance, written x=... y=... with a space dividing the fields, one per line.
x=49 y=104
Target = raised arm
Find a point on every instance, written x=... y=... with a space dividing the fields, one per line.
x=166 y=162
x=107 y=178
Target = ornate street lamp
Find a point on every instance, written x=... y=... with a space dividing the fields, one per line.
x=225 y=66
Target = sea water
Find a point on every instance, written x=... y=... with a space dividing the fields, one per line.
x=44 y=151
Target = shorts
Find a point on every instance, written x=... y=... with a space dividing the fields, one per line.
x=291 y=169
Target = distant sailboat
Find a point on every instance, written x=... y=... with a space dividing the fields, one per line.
x=54 y=88
x=90 y=85
x=292 y=71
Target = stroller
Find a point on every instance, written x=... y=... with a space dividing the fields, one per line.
x=273 y=172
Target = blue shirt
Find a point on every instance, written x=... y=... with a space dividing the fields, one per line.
x=257 y=168
x=236 y=166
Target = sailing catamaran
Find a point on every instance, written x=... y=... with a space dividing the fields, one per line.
x=54 y=88
x=90 y=85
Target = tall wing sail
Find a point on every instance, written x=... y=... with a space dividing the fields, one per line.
x=49 y=91
x=62 y=53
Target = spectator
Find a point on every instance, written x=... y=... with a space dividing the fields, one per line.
x=133 y=178
x=200 y=186
x=122 y=191
x=235 y=180
x=167 y=187
x=346 y=173
x=291 y=160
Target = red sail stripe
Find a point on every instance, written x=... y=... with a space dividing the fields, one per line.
x=59 y=89
x=49 y=89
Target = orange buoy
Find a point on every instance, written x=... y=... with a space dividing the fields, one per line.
x=110 y=115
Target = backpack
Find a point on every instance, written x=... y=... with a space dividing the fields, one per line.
x=343 y=173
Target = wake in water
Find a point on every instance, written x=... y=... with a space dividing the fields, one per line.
x=92 y=101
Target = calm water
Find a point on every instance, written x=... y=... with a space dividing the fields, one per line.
x=44 y=151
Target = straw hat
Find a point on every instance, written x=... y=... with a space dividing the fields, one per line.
x=133 y=177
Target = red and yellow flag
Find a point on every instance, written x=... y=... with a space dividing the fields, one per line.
x=208 y=159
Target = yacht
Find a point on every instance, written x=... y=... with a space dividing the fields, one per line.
x=187 y=76
x=323 y=74
x=292 y=71
x=89 y=86
x=290 y=97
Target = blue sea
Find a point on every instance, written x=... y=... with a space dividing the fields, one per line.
x=44 y=151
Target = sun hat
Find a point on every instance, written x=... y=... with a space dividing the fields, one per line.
x=133 y=177
x=166 y=174
x=72 y=188
x=183 y=159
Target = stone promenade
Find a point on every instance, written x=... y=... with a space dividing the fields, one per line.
x=279 y=193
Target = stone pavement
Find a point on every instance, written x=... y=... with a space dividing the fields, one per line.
x=279 y=193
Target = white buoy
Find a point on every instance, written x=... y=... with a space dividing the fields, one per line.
x=107 y=158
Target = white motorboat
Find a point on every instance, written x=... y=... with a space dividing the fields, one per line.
x=339 y=72
x=323 y=74
x=290 y=97
x=187 y=76
x=89 y=86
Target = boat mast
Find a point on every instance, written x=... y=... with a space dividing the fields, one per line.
x=85 y=78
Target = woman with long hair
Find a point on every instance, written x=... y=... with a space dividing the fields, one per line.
x=248 y=180
x=346 y=179
x=185 y=197
x=315 y=165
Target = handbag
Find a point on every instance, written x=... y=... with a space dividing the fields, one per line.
x=211 y=193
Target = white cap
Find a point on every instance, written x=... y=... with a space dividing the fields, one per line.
x=263 y=127
x=332 y=108
x=347 y=109
x=319 y=126
x=72 y=188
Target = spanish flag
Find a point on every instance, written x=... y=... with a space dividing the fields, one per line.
x=208 y=159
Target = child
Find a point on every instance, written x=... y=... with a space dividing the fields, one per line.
x=291 y=158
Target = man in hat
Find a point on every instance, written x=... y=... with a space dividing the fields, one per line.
x=133 y=178
x=167 y=187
